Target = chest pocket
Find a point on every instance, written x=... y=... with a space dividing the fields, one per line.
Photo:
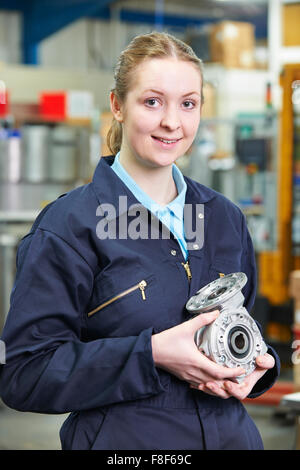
x=125 y=302
x=221 y=267
x=141 y=285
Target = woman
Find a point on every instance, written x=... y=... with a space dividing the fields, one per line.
x=98 y=325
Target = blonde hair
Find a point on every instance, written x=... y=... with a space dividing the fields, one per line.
x=151 y=45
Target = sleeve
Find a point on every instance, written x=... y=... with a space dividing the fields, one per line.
x=49 y=368
x=249 y=292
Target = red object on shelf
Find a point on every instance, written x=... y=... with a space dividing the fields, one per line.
x=53 y=105
x=4 y=103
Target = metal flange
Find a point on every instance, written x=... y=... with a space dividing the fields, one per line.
x=233 y=339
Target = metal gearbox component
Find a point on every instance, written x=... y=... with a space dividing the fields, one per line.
x=233 y=339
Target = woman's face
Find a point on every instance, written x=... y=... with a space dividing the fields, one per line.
x=161 y=112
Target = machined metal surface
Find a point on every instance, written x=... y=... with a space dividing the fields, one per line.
x=233 y=339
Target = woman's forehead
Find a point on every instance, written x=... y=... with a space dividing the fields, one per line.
x=165 y=74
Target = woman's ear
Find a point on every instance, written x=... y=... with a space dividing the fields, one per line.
x=115 y=107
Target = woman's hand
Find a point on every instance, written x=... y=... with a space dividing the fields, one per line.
x=175 y=351
x=226 y=388
x=242 y=390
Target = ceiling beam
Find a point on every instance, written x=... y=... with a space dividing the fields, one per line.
x=260 y=21
x=42 y=18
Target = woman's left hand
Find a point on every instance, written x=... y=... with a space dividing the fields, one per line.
x=227 y=388
x=242 y=390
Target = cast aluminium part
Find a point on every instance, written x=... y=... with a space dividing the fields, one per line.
x=233 y=339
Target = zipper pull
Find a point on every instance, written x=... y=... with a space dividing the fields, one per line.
x=187 y=270
x=142 y=286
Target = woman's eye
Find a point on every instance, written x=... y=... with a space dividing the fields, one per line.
x=188 y=104
x=152 y=102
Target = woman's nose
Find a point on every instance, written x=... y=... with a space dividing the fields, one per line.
x=170 y=119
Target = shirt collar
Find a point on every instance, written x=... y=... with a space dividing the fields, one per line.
x=108 y=186
x=176 y=206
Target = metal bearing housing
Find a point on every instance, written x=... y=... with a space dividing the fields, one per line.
x=233 y=339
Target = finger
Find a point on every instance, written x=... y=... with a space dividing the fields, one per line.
x=266 y=361
x=213 y=389
x=242 y=390
x=239 y=391
x=217 y=389
x=219 y=372
x=205 y=389
x=203 y=319
x=195 y=384
x=202 y=388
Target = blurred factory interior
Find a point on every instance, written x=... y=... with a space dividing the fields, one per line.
x=56 y=70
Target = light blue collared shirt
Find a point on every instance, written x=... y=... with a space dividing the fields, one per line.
x=170 y=215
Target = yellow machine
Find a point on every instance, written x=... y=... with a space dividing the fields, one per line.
x=275 y=266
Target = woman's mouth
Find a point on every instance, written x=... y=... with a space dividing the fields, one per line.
x=165 y=142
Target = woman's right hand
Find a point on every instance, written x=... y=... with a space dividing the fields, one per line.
x=175 y=350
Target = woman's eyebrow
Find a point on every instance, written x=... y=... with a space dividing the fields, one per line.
x=154 y=91
x=191 y=93
x=162 y=93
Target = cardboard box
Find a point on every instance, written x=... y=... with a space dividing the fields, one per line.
x=290 y=26
x=233 y=44
x=209 y=107
x=53 y=105
x=261 y=54
x=66 y=105
x=79 y=104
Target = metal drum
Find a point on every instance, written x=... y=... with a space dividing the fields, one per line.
x=35 y=153
x=63 y=154
x=10 y=156
x=8 y=246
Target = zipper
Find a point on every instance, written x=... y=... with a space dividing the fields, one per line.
x=141 y=285
x=187 y=270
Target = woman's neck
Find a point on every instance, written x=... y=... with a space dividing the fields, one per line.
x=157 y=183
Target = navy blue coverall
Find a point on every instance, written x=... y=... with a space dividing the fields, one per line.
x=61 y=358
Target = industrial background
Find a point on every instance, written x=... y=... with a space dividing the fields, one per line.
x=56 y=71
